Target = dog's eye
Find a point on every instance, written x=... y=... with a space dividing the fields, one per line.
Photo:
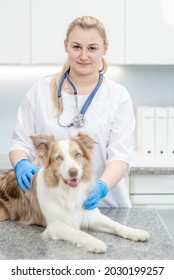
x=59 y=158
x=78 y=155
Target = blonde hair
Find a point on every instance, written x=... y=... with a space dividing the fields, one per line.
x=85 y=22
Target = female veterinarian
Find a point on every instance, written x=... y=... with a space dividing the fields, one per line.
x=80 y=99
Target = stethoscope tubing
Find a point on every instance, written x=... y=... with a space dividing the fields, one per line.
x=87 y=103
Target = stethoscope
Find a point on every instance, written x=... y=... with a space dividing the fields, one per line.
x=79 y=119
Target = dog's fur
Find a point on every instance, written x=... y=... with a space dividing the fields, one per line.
x=58 y=192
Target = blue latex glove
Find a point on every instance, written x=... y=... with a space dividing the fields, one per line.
x=100 y=190
x=24 y=172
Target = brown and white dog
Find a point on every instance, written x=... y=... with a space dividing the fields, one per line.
x=58 y=191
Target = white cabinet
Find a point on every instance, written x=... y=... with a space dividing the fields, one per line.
x=50 y=20
x=139 y=32
x=149 y=190
x=149 y=32
x=14 y=32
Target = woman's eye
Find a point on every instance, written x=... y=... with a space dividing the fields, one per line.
x=59 y=158
x=92 y=49
x=76 y=47
x=78 y=155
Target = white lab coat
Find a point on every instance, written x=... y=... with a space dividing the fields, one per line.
x=109 y=119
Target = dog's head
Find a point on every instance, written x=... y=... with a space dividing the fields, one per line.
x=68 y=160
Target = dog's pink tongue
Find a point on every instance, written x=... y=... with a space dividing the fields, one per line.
x=73 y=183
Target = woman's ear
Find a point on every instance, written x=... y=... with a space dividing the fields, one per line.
x=105 y=48
x=65 y=44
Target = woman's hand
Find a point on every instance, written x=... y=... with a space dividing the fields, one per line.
x=24 y=172
x=100 y=190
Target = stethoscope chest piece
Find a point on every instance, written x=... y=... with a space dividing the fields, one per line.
x=79 y=121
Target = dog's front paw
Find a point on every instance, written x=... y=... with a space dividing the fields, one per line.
x=95 y=246
x=138 y=235
x=49 y=235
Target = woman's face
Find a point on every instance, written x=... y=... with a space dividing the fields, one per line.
x=85 y=49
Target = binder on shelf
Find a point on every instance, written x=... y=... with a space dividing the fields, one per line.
x=161 y=132
x=170 y=135
x=146 y=130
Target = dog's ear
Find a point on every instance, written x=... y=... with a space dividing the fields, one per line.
x=86 y=140
x=42 y=144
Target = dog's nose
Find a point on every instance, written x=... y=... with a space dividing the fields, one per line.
x=73 y=172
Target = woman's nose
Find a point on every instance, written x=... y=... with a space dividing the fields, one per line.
x=84 y=54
